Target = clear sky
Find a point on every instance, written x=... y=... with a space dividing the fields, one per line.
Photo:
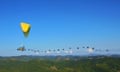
x=59 y=24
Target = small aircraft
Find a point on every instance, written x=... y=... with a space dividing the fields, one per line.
x=25 y=28
x=21 y=48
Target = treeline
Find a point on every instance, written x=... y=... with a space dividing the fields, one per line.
x=107 y=64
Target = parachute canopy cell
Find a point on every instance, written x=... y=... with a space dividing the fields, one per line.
x=25 y=28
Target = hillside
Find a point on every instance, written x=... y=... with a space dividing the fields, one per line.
x=59 y=64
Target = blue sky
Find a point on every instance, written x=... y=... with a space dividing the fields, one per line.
x=59 y=24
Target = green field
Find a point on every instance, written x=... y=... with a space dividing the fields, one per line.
x=59 y=64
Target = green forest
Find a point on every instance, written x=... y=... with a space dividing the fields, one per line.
x=27 y=64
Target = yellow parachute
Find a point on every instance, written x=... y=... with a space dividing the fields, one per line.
x=25 y=28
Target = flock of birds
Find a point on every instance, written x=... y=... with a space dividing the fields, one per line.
x=25 y=28
x=69 y=50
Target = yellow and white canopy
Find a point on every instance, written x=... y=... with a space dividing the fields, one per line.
x=25 y=27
